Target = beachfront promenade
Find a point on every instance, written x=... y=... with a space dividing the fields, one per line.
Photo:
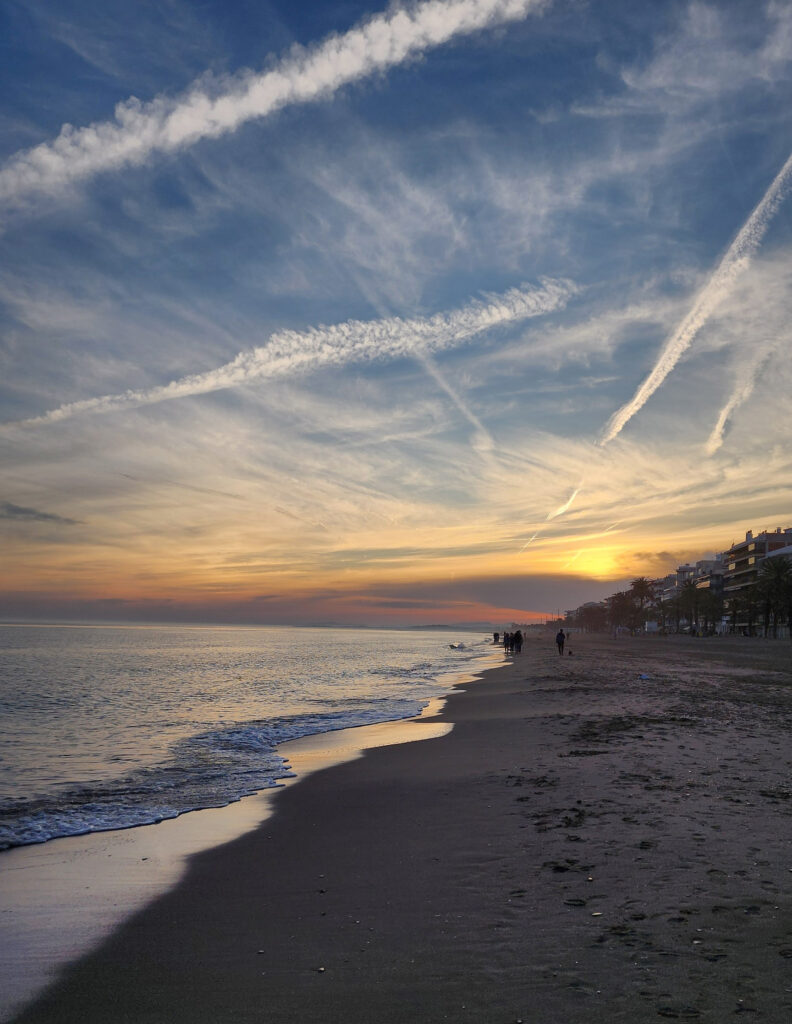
x=600 y=838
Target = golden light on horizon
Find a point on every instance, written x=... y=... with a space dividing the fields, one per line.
x=598 y=563
x=331 y=373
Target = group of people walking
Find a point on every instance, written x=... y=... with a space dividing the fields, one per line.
x=512 y=642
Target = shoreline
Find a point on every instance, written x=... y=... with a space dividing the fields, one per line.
x=584 y=845
x=62 y=898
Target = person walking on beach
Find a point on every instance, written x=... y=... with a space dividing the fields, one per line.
x=560 y=640
x=518 y=639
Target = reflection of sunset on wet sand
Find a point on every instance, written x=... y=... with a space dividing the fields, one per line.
x=597 y=838
x=420 y=326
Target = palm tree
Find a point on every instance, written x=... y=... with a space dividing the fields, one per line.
x=593 y=618
x=689 y=599
x=774 y=588
x=675 y=607
x=744 y=605
x=621 y=609
x=711 y=608
x=642 y=592
x=663 y=609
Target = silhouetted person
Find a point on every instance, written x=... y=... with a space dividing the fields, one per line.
x=560 y=640
x=495 y=637
x=518 y=639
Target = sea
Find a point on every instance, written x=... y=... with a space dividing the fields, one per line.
x=106 y=727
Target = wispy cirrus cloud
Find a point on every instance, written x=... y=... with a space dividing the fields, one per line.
x=567 y=504
x=736 y=260
x=293 y=352
x=208 y=111
x=741 y=392
x=23 y=514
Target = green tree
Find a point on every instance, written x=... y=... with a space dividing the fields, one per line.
x=710 y=609
x=642 y=594
x=621 y=610
x=664 y=611
x=689 y=596
x=675 y=610
x=744 y=607
x=593 y=618
x=774 y=591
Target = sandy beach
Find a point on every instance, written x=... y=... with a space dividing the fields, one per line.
x=603 y=837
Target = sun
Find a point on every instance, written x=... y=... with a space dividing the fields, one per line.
x=600 y=563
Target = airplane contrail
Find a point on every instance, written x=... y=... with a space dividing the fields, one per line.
x=741 y=392
x=484 y=440
x=554 y=515
x=207 y=111
x=735 y=262
x=560 y=511
x=292 y=352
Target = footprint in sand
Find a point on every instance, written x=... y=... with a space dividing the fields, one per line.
x=679 y=1012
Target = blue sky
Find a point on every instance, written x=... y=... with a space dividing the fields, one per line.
x=302 y=331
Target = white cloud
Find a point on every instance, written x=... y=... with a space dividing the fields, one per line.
x=742 y=391
x=165 y=125
x=720 y=285
x=290 y=352
x=708 y=56
x=566 y=506
x=483 y=441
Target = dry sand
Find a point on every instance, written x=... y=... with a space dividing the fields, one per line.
x=600 y=838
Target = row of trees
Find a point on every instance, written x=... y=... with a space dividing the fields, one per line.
x=766 y=604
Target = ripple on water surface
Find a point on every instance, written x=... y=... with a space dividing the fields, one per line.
x=109 y=727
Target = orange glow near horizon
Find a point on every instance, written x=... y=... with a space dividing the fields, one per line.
x=296 y=372
x=266 y=548
x=396 y=584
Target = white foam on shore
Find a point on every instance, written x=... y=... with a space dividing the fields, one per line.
x=60 y=899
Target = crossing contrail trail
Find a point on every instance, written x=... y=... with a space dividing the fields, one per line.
x=734 y=263
x=210 y=110
x=573 y=559
x=741 y=392
x=484 y=441
x=292 y=352
x=554 y=515
x=560 y=511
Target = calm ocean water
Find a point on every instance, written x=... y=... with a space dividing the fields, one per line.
x=105 y=727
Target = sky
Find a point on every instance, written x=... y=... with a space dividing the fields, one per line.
x=456 y=311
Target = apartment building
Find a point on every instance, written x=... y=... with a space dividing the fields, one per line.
x=709 y=574
x=706 y=574
x=743 y=559
x=742 y=568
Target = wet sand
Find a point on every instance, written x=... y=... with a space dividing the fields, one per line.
x=59 y=900
x=603 y=837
